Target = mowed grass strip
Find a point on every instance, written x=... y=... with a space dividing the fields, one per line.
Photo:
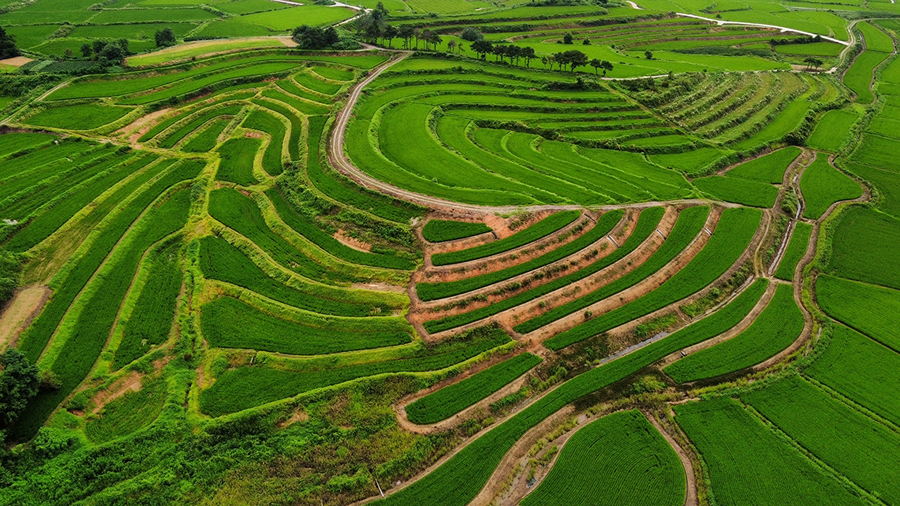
x=620 y=457
x=604 y=225
x=794 y=252
x=646 y=224
x=775 y=329
x=748 y=464
x=452 y=399
x=856 y=446
x=230 y=323
x=447 y=230
x=733 y=234
x=539 y=230
x=689 y=225
x=823 y=185
x=247 y=387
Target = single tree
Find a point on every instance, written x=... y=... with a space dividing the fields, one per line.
x=165 y=37
x=97 y=46
x=607 y=66
x=567 y=38
x=596 y=64
x=86 y=50
x=435 y=39
x=8 y=47
x=482 y=48
x=390 y=33
x=451 y=45
x=586 y=42
x=405 y=32
x=417 y=33
x=576 y=59
x=19 y=382
x=648 y=55
x=471 y=34
x=528 y=54
x=379 y=7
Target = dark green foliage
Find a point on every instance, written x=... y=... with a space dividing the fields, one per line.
x=9 y=274
x=444 y=230
x=229 y=323
x=165 y=37
x=154 y=311
x=245 y=387
x=8 y=47
x=454 y=398
x=19 y=382
x=305 y=226
x=537 y=231
x=313 y=37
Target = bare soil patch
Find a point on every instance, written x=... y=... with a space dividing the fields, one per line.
x=20 y=311
x=352 y=242
x=18 y=61
x=129 y=383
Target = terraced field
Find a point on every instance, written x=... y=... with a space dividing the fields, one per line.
x=238 y=272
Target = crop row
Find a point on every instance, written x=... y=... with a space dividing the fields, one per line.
x=733 y=234
x=533 y=233
x=604 y=225
x=265 y=122
x=690 y=223
x=646 y=224
x=446 y=230
x=452 y=399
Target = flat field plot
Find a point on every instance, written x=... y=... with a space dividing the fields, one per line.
x=866 y=247
x=238 y=156
x=823 y=185
x=794 y=252
x=870 y=309
x=78 y=117
x=776 y=328
x=748 y=464
x=444 y=230
x=850 y=442
x=859 y=76
x=286 y=19
x=741 y=191
x=452 y=399
x=767 y=169
x=619 y=459
x=832 y=129
x=862 y=370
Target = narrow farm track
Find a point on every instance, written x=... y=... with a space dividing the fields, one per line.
x=690 y=498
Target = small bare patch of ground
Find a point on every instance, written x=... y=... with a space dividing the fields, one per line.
x=298 y=416
x=129 y=383
x=20 y=311
x=254 y=135
x=352 y=242
x=142 y=125
x=500 y=229
x=379 y=287
x=18 y=61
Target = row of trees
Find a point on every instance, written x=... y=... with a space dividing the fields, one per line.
x=571 y=59
x=105 y=51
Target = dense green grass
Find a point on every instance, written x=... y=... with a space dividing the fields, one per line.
x=229 y=323
x=207 y=139
x=859 y=76
x=200 y=119
x=869 y=309
x=862 y=370
x=454 y=398
x=539 y=230
x=775 y=328
x=129 y=413
x=854 y=445
x=823 y=185
x=832 y=129
x=458 y=481
x=646 y=225
x=740 y=191
x=768 y=168
x=795 y=250
x=238 y=156
x=89 y=331
x=259 y=120
x=621 y=458
x=220 y=260
x=876 y=40
x=748 y=464
x=307 y=227
x=864 y=247
x=246 y=387
x=445 y=230
x=604 y=225
x=78 y=117
x=690 y=223
x=735 y=229
x=241 y=214
x=154 y=311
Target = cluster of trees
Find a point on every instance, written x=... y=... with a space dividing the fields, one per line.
x=165 y=37
x=812 y=62
x=105 y=52
x=501 y=51
x=570 y=39
x=312 y=37
x=19 y=382
x=799 y=40
x=8 y=47
x=374 y=29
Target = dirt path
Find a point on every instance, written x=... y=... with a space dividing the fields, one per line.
x=721 y=22
x=20 y=311
x=690 y=498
